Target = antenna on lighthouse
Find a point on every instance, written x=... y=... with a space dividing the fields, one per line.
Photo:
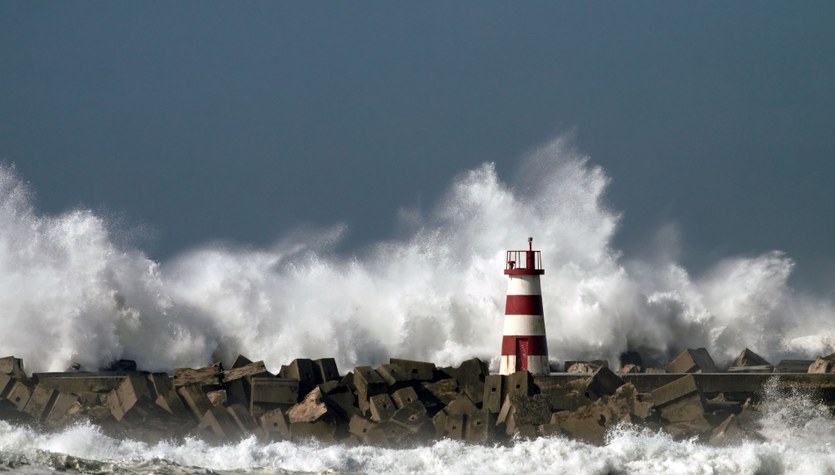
x=524 y=345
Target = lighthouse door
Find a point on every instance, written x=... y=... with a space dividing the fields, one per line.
x=522 y=351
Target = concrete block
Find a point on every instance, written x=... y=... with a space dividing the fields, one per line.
x=751 y=369
x=449 y=425
x=692 y=361
x=821 y=366
x=749 y=358
x=361 y=426
x=6 y=383
x=520 y=410
x=241 y=361
x=266 y=390
x=12 y=366
x=438 y=394
x=382 y=407
x=320 y=430
x=477 y=427
x=217 y=397
x=493 y=393
x=519 y=382
x=303 y=370
x=585 y=366
x=603 y=383
x=19 y=395
x=134 y=390
x=209 y=376
x=404 y=396
x=246 y=371
x=680 y=401
x=220 y=423
x=411 y=416
x=327 y=369
x=40 y=403
x=461 y=405
x=564 y=399
x=65 y=408
x=368 y=383
x=471 y=376
x=394 y=375
x=245 y=422
x=343 y=402
x=275 y=424
x=195 y=399
x=166 y=397
x=793 y=366
x=311 y=409
x=417 y=370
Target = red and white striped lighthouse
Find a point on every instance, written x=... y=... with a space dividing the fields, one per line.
x=524 y=346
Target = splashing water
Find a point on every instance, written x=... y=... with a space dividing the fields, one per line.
x=69 y=293
x=799 y=440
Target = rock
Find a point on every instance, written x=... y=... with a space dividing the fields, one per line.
x=692 y=361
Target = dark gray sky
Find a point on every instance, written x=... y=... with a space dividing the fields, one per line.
x=242 y=121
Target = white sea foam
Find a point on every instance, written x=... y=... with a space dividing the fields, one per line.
x=70 y=293
x=799 y=440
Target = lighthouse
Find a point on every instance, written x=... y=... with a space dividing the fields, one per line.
x=524 y=346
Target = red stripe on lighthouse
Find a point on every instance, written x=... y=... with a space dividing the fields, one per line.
x=523 y=305
x=537 y=344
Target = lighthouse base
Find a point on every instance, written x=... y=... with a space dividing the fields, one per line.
x=535 y=364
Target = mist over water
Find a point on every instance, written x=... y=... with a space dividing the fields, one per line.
x=70 y=293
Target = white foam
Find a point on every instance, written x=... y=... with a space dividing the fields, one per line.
x=69 y=293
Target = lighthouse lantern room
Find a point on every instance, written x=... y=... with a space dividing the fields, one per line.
x=524 y=346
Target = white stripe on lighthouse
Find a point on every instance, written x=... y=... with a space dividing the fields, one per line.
x=524 y=325
x=524 y=285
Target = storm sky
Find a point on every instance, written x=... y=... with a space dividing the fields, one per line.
x=241 y=122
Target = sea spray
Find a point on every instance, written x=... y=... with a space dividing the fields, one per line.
x=70 y=293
